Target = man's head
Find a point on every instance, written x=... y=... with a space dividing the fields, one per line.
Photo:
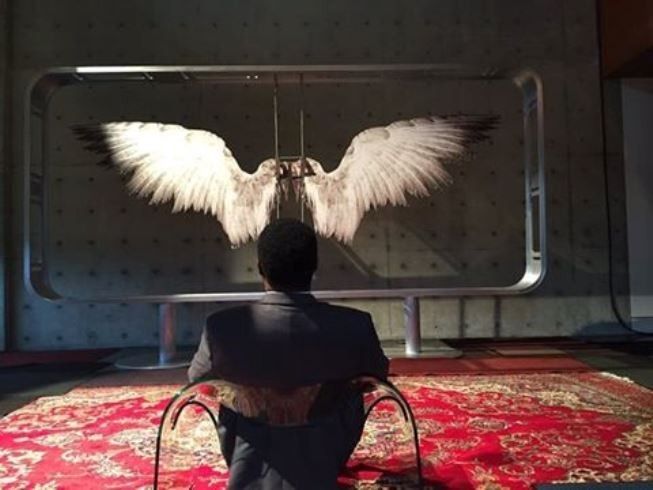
x=287 y=255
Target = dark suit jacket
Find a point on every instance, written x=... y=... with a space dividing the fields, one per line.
x=284 y=341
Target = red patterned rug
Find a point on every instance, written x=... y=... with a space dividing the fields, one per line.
x=498 y=431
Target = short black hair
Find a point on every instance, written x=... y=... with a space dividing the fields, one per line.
x=287 y=254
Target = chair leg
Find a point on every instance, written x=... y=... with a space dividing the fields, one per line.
x=400 y=400
x=175 y=419
x=159 y=436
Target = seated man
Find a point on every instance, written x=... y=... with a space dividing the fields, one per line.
x=288 y=340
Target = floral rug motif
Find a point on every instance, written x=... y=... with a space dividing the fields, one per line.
x=484 y=431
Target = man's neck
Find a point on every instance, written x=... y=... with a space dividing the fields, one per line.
x=288 y=291
x=268 y=288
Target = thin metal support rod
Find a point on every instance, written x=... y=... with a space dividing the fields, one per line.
x=302 y=170
x=275 y=105
x=167 y=327
x=412 y=326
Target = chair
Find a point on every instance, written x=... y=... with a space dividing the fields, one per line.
x=293 y=408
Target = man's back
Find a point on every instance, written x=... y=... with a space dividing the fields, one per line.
x=289 y=340
x=285 y=341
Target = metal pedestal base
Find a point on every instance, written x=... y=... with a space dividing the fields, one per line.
x=430 y=348
x=151 y=360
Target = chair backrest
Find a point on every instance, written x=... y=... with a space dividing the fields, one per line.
x=270 y=405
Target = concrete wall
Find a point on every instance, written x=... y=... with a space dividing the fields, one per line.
x=638 y=156
x=4 y=108
x=103 y=239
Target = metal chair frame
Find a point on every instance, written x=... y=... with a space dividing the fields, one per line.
x=390 y=393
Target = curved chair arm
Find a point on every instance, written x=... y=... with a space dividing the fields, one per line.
x=188 y=395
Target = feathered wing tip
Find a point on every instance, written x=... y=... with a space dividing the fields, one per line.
x=477 y=127
x=94 y=138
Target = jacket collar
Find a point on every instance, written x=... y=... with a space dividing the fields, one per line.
x=287 y=298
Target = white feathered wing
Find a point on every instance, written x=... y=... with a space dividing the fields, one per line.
x=384 y=165
x=192 y=168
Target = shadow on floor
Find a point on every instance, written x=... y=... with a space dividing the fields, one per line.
x=20 y=385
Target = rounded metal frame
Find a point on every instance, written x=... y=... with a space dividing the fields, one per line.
x=39 y=92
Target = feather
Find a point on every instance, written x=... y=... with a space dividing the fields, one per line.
x=383 y=165
x=192 y=168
